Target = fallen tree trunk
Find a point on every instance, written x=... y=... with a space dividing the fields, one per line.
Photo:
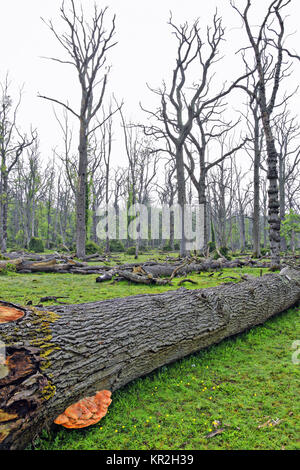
x=55 y=358
x=36 y=257
x=166 y=269
x=62 y=264
x=153 y=271
x=141 y=279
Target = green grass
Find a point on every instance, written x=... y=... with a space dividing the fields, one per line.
x=242 y=382
x=22 y=288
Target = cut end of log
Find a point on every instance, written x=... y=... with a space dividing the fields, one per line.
x=88 y=411
x=8 y=313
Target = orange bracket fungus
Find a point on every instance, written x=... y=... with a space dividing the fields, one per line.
x=9 y=313
x=86 y=412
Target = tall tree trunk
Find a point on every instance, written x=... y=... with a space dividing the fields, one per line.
x=273 y=202
x=107 y=169
x=256 y=190
x=81 y=192
x=181 y=195
x=1 y=223
x=4 y=212
x=283 y=244
x=94 y=220
x=49 y=204
x=242 y=231
x=265 y=220
x=171 y=226
x=202 y=201
x=32 y=217
x=293 y=241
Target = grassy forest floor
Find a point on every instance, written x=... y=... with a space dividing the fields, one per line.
x=236 y=387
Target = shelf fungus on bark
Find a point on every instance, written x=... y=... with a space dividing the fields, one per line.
x=88 y=411
x=8 y=313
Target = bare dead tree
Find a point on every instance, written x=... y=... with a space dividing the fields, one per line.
x=221 y=203
x=106 y=132
x=266 y=44
x=49 y=196
x=211 y=127
x=86 y=44
x=65 y=154
x=142 y=165
x=119 y=190
x=243 y=200
x=98 y=184
x=69 y=160
x=12 y=145
x=166 y=195
x=179 y=103
x=254 y=148
x=286 y=133
x=34 y=181
x=65 y=208
x=293 y=191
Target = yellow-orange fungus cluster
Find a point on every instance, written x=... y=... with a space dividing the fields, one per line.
x=86 y=412
x=8 y=314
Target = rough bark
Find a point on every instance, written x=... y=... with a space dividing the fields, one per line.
x=256 y=211
x=81 y=188
x=273 y=203
x=242 y=230
x=282 y=183
x=256 y=185
x=202 y=200
x=57 y=357
x=4 y=201
x=272 y=24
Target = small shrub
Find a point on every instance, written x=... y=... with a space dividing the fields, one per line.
x=167 y=247
x=211 y=246
x=131 y=250
x=91 y=247
x=224 y=251
x=8 y=268
x=116 y=246
x=36 y=245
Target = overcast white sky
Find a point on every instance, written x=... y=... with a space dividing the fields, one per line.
x=145 y=53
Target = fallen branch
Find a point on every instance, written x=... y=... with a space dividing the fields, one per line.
x=52 y=297
x=187 y=280
x=143 y=279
